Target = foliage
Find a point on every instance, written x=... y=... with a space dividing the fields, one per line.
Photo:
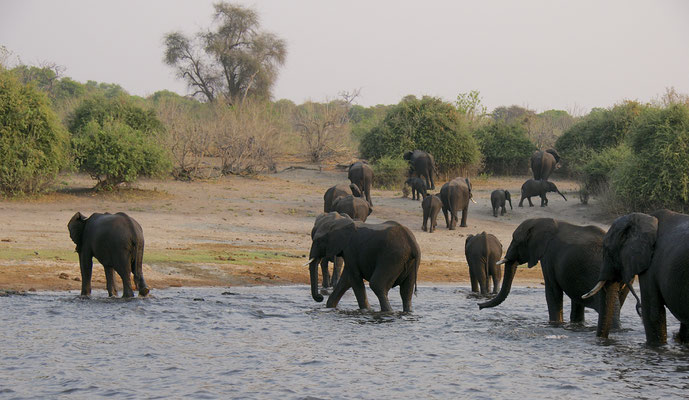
x=121 y=109
x=363 y=119
x=469 y=105
x=429 y=124
x=506 y=148
x=233 y=60
x=33 y=144
x=389 y=172
x=597 y=170
x=114 y=152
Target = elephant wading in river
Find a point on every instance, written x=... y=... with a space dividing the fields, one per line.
x=655 y=247
x=497 y=200
x=455 y=196
x=482 y=252
x=337 y=191
x=570 y=256
x=532 y=188
x=386 y=255
x=423 y=165
x=361 y=174
x=543 y=163
x=117 y=242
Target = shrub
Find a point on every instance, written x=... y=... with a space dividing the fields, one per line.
x=120 y=108
x=506 y=148
x=116 y=153
x=33 y=143
x=596 y=172
x=389 y=172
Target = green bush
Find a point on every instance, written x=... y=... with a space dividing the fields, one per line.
x=597 y=170
x=120 y=108
x=33 y=143
x=116 y=153
x=506 y=148
x=389 y=173
x=429 y=124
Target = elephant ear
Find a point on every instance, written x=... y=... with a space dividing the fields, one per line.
x=468 y=183
x=76 y=229
x=356 y=192
x=507 y=196
x=335 y=235
x=538 y=235
x=555 y=154
x=632 y=239
x=468 y=241
x=407 y=155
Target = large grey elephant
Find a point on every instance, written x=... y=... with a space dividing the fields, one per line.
x=386 y=255
x=361 y=174
x=533 y=188
x=455 y=196
x=497 y=201
x=543 y=163
x=656 y=248
x=336 y=191
x=570 y=257
x=117 y=242
x=431 y=206
x=423 y=165
x=482 y=252
x=356 y=207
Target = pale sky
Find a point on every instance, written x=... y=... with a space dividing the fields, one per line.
x=543 y=54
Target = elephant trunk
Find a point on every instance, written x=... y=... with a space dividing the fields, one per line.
x=608 y=307
x=313 y=272
x=510 y=271
x=563 y=196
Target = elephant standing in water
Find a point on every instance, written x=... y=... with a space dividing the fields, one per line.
x=117 y=242
x=431 y=206
x=482 y=252
x=655 y=247
x=543 y=163
x=386 y=255
x=361 y=174
x=341 y=190
x=571 y=258
x=455 y=196
x=532 y=188
x=423 y=165
x=497 y=200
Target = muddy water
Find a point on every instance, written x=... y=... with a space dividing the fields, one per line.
x=276 y=342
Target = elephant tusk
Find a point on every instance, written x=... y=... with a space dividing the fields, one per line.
x=308 y=262
x=595 y=290
x=504 y=260
x=474 y=201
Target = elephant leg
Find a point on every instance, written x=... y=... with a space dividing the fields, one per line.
x=360 y=293
x=406 y=292
x=576 y=315
x=553 y=296
x=653 y=314
x=521 y=202
x=530 y=203
x=86 y=266
x=474 y=280
x=465 y=211
x=380 y=286
x=337 y=270
x=683 y=334
x=503 y=211
x=430 y=174
x=123 y=268
x=447 y=221
x=338 y=291
x=110 y=281
x=326 y=273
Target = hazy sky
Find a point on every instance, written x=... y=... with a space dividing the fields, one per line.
x=543 y=54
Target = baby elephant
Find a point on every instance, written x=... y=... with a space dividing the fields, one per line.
x=533 y=187
x=497 y=199
x=356 y=207
x=482 y=251
x=431 y=206
x=418 y=188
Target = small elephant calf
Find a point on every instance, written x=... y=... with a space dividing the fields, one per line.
x=482 y=252
x=431 y=206
x=534 y=187
x=497 y=200
x=418 y=188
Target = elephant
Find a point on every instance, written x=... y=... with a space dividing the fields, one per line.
x=117 y=242
x=361 y=174
x=338 y=191
x=482 y=252
x=338 y=262
x=356 y=207
x=386 y=255
x=656 y=248
x=533 y=187
x=570 y=256
x=543 y=163
x=497 y=200
x=431 y=206
x=423 y=165
x=418 y=188
x=455 y=196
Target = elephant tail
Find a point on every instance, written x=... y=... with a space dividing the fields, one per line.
x=415 y=262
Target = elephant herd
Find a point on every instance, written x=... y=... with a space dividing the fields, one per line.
x=594 y=268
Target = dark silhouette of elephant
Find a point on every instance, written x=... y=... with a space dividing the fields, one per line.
x=482 y=252
x=361 y=174
x=336 y=191
x=543 y=163
x=656 y=248
x=356 y=207
x=418 y=188
x=117 y=242
x=423 y=165
x=533 y=188
x=431 y=206
x=497 y=201
x=570 y=257
x=386 y=255
x=455 y=196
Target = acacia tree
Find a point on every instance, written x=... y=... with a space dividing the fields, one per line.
x=234 y=59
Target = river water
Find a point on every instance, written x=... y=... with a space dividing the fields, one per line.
x=276 y=342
